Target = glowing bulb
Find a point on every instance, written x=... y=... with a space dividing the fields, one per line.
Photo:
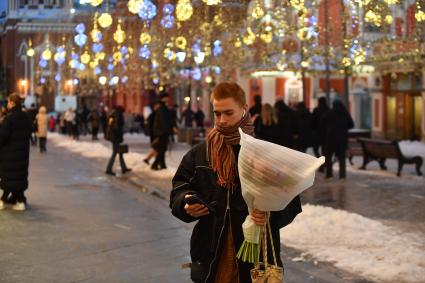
x=47 y=54
x=102 y=80
x=105 y=20
x=30 y=52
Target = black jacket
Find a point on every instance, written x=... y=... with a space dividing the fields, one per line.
x=15 y=133
x=336 y=123
x=162 y=123
x=194 y=175
x=115 y=127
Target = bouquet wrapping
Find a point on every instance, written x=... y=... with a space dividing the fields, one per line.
x=271 y=177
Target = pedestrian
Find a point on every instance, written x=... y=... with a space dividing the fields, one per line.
x=32 y=112
x=104 y=120
x=199 y=119
x=42 y=121
x=318 y=132
x=94 y=119
x=83 y=115
x=255 y=110
x=76 y=126
x=336 y=123
x=286 y=124
x=149 y=131
x=69 y=118
x=266 y=126
x=304 y=129
x=15 y=135
x=114 y=134
x=162 y=129
x=209 y=170
x=187 y=117
x=52 y=124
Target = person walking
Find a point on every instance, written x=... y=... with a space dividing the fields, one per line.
x=286 y=124
x=199 y=119
x=162 y=129
x=15 y=135
x=149 y=131
x=255 y=110
x=114 y=134
x=69 y=118
x=336 y=124
x=32 y=112
x=318 y=132
x=304 y=129
x=42 y=120
x=104 y=120
x=187 y=117
x=266 y=125
x=94 y=119
x=209 y=170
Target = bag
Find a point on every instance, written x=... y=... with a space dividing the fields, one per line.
x=123 y=148
x=263 y=272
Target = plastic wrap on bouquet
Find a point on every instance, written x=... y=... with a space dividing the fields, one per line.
x=271 y=177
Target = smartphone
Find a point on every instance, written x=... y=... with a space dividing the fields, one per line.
x=193 y=199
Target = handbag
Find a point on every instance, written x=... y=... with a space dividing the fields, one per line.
x=123 y=148
x=263 y=272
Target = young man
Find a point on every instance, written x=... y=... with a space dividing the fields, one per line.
x=15 y=134
x=209 y=171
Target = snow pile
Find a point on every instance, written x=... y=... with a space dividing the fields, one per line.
x=357 y=244
x=134 y=160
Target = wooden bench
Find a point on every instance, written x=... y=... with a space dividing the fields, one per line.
x=354 y=149
x=380 y=150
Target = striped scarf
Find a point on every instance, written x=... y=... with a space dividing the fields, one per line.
x=220 y=153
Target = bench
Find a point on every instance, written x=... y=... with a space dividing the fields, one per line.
x=354 y=149
x=380 y=150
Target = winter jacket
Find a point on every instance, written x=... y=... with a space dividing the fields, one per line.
x=195 y=176
x=115 y=133
x=286 y=124
x=15 y=133
x=162 y=124
x=42 y=120
x=267 y=133
x=336 y=123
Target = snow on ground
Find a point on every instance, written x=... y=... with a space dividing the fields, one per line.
x=350 y=241
x=357 y=244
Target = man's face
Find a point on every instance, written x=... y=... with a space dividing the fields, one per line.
x=227 y=112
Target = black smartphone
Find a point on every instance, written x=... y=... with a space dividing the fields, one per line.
x=193 y=199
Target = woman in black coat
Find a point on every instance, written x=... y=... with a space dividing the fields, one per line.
x=336 y=124
x=114 y=134
x=15 y=135
x=266 y=127
x=286 y=124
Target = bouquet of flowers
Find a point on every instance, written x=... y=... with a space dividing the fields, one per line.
x=271 y=177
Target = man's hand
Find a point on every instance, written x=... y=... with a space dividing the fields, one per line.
x=196 y=210
x=258 y=216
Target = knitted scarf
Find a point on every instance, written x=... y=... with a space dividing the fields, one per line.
x=220 y=153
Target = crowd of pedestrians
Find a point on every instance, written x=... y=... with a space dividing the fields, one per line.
x=325 y=129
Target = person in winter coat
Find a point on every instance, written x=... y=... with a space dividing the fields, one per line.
x=318 y=132
x=149 y=131
x=32 y=112
x=15 y=134
x=187 y=117
x=209 y=170
x=42 y=120
x=94 y=119
x=286 y=124
x=104 y=120
x=255 y=110
x=266 y=127
x=114 y=134
x=162 y=129
x=304 y=129
x=52 y=124
x=336 y=124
